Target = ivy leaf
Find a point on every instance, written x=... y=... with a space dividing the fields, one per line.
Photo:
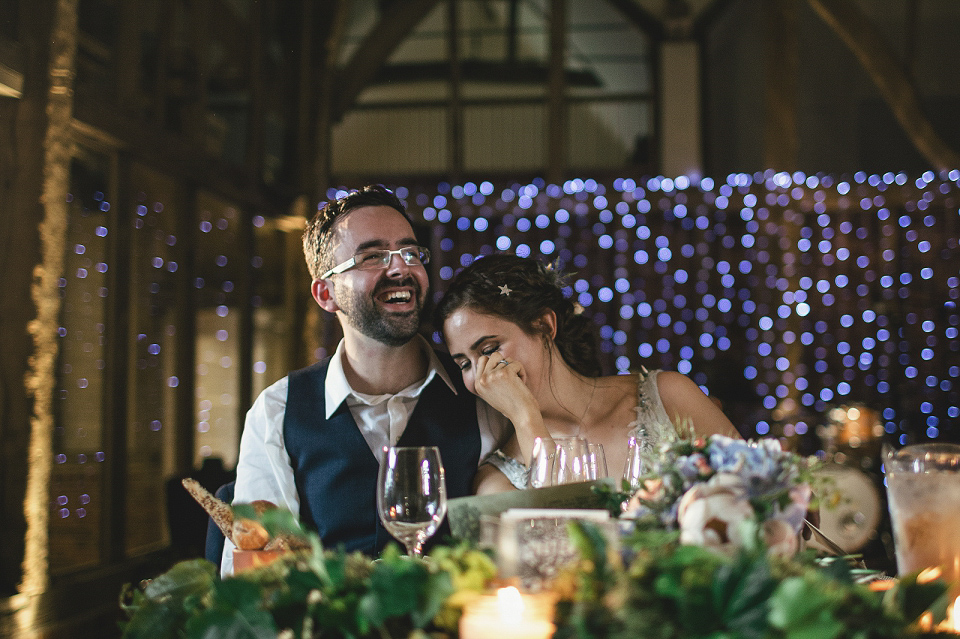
x=439 y=589
x=236 y=612
x=185 y=578
x=231 y=624
x=169 y=600
x=396 y=586
x=155 y=620
x=741 y=590
x=278 y=521
x=803 y=611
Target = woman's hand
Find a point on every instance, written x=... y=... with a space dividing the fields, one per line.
x=499 y=382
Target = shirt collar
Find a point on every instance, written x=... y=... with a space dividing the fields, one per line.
x=337 y=389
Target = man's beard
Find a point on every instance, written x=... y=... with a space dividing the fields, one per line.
x=368 y=317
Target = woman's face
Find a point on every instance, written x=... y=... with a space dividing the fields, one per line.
x=471 y=335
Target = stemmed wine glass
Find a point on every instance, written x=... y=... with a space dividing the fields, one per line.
x=573 y=460
x=596 y=462
x=411 y=494
x=636 y=466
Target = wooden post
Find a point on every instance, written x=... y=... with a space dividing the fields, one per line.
x=57 y=153
x=556 y=160
x=455 y=109
x=326 y=116
x=781 y=67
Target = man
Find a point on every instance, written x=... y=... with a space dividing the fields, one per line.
x=312 y=442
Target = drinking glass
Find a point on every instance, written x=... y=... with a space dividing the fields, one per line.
x=923 y=492
x=411 y=494
x=541 y=463
x=636 y=466
x=596 y=462
x=572 y=460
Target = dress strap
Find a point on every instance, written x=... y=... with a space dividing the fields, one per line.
x=513 y=469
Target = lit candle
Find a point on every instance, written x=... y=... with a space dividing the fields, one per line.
x=508 y=615
x=952 y=622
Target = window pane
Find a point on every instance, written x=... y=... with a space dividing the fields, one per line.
x=220 y=264
x=155 y=272
x=79 y=460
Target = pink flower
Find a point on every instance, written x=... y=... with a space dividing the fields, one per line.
x=651 y=491
x=780 y=538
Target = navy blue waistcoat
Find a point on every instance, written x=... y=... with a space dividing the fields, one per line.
x=336 y=472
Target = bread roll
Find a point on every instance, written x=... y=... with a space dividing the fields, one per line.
x=248 y=534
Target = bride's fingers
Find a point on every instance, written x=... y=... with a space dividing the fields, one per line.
x=489 y=362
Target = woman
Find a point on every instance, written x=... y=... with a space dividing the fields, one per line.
x=527 y=351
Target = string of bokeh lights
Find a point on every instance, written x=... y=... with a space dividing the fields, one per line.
x=821 y=290
x=826 y=290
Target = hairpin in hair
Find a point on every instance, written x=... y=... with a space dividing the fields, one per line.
x=505 y=290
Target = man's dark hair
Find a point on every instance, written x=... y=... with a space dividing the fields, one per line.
x=318 y=234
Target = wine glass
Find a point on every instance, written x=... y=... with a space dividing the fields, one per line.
x=572 y=461
x=541 y=463
x=596 y=462
x=411 y=494
x=636 y=466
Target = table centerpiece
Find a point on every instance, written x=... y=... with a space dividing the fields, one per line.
x=698 y=557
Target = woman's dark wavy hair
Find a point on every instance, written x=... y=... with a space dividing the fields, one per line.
x=534 y=288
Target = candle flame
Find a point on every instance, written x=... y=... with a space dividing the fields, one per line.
x=509 y=603
x=950 y=624
x=953 y=616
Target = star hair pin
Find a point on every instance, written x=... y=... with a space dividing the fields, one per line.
x=505 y=290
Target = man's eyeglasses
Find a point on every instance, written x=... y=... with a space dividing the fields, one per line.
x=380 y=258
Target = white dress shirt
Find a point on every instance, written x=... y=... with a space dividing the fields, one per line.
x=264 y=470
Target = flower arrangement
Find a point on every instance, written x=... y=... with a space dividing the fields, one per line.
x=719 y=491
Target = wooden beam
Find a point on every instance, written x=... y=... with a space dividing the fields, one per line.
x=455 y=109
x=128 y=54
x=556 y=147
x=708 y=15
x=320 y=179
x=521 y=72
x=261 y=16
x=640 y=18
x=781 y=66
x=41 y=376
x=873 y=52
x=307 y=66
x=394 y=26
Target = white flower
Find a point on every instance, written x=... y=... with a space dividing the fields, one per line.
x=711 y=514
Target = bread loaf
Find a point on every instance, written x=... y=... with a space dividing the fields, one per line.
x=218 y=510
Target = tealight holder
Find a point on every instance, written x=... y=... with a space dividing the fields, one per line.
x=508 y=614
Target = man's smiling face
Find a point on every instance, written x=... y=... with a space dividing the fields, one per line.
x=384 y=304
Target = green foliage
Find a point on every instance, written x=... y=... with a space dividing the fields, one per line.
x=613 y=499
x=471 y=572
x=650 y=587
x=671 y=591
x=162 y=607
x=311 y=594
